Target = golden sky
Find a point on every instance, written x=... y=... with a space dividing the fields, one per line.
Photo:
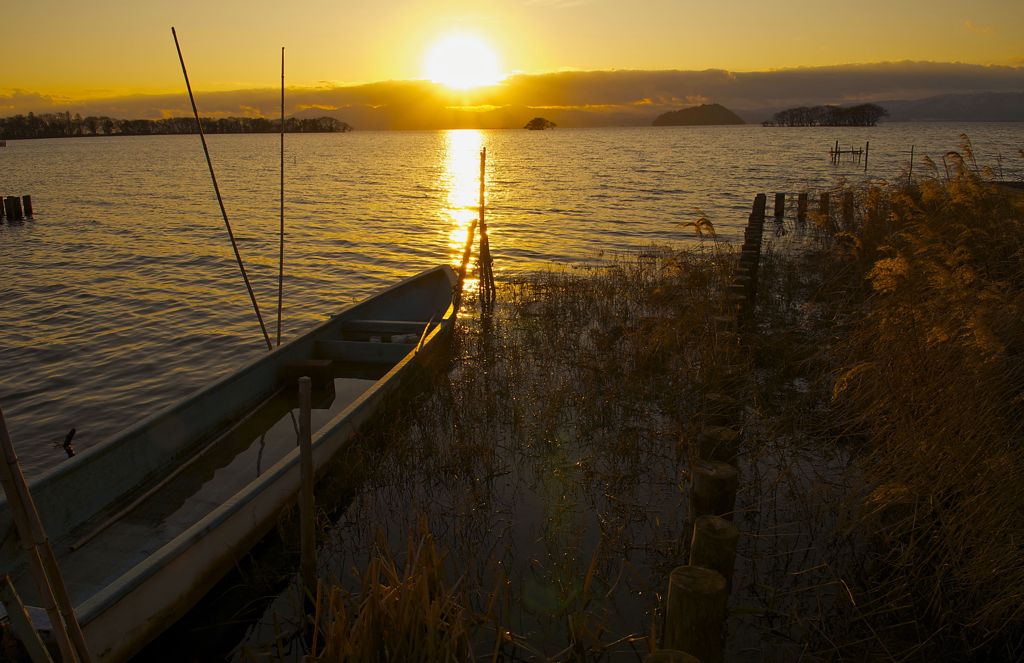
x=116 y=47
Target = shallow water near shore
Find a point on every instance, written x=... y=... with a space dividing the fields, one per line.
x=123 y=296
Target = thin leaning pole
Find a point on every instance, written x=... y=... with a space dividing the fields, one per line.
x=280 y=262
x=42 y=561
x=220 y=200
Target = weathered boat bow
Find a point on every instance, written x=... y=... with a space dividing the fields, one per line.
x=146 y=522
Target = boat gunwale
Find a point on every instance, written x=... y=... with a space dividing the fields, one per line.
x=81 y=463
x=138 y=574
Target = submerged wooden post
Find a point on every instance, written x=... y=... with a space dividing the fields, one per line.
x=670 y=656
x=910 y=173
x=42 y=562
x=695 y=612
x=719 y=441
x=714 y=546
x=848 y=208
x=713 y=489
x=801 y=207
x=21 y=624
x=27 y=203
x=14 y=208
x=867 y=146
x=780 y=205
x=823 y=205
x=307 y=565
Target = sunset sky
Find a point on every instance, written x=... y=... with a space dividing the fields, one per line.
x=123 y=47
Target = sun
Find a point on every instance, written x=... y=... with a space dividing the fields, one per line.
x=462 y=61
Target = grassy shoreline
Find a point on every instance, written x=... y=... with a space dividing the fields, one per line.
x=530 y=504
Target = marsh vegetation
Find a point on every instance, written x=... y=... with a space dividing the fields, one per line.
x=530 y=502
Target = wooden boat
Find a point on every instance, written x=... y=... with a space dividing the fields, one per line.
x=145 y=523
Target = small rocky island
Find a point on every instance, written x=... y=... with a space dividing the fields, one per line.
x=539 y=124
x=705 y=114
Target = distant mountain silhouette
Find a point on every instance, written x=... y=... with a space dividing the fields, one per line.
x=965 y=107
x=978 y=107
x=704 y=114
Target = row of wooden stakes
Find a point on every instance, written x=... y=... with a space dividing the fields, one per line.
x=16 y=208
x=698 y=593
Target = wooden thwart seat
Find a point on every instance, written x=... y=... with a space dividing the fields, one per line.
x=362 y=351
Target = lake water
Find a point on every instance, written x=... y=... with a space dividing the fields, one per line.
x=123 y=295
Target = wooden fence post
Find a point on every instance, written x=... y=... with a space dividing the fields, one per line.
x=714 y=546
x=695 y=612
x=713 y=489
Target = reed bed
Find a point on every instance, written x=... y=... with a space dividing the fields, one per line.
x=530 y=501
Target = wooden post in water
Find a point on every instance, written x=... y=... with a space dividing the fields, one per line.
x=823 y=206
x=714 y=546
x=42 y=562
x=910 y=173
x=848 y=208
x=780 y=205
x=801 y=208
x=13 y=204
x=835 y=153
x=713 y=489
x=867 y=146
x=695 y=612
x=307 y=518
x=670 y=656
x=27 y=203
x=719 y=441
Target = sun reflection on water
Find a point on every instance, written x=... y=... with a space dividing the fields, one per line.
x=461 y=179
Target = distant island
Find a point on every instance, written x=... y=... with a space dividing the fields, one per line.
x=539 y=124
x=66 y=125
x=705 y=114
x=863 y=115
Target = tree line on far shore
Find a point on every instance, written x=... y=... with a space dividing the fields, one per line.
x=66 y=125
x=863 y=115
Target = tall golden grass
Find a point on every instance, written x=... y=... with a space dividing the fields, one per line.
x=927 y=289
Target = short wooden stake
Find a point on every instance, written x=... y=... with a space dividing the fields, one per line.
x=307 y=517
x=21 y=624
x=27 y=202
x=14 y=208
x=780 y=205
x=714 y=546
x=867 y=146
x=713 y=489
x=670 y=656
x=848 y=208
x=823 y=205
x=719 y=410
x=719 y=441
x=695 y=612
x=801 y=207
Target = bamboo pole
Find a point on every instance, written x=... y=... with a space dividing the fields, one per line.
x=306 y=504
x=220 y=200
x=21 y=624
x=280 y=262
x=43 y=563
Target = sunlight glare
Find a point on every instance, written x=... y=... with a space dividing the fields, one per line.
x=461 y=179
x=462 y=62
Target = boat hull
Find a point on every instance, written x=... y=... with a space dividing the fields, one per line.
x=123 y=615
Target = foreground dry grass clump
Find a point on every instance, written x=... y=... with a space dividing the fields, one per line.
x=925 y=291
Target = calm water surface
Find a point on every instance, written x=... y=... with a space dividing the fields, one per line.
x=123 y=296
